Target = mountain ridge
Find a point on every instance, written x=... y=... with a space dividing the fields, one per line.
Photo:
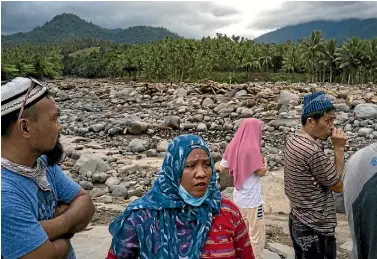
x=339 y=30
x=67 y=26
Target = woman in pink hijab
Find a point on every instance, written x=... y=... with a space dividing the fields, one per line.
x=243 y=160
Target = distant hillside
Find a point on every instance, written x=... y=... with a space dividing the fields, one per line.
x=341 y=30
x=69 y=26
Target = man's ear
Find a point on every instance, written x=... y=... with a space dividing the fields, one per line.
x=310 y=121
x=23 y=127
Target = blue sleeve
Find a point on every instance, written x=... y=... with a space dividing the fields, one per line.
x=125 y=243
x=21 y=232
x=66 y=188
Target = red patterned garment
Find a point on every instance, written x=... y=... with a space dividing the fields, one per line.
x=228 y=236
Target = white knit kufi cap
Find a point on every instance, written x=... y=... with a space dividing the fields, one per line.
x=13 y=94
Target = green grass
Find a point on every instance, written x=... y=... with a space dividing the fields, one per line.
x=276 y=77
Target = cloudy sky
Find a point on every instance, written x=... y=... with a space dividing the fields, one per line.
x=189 y=19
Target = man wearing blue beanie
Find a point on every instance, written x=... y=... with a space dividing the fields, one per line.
x=310 y=177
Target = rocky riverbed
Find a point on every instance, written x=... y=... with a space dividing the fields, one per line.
x=116 y=133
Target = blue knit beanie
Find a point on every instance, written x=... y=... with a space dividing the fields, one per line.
x=317 y=101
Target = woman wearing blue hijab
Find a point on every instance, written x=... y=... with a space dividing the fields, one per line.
x=183 y=215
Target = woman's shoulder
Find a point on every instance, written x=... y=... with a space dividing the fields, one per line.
x=229 y=217
x=137 y=217
x=228 y=206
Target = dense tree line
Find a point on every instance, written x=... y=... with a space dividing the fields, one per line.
x=352 y=61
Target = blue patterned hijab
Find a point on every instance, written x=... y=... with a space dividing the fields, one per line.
x=165 y=204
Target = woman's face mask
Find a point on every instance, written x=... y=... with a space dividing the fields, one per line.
x=197 y=173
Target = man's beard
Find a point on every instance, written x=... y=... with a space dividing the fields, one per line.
x=55 y=155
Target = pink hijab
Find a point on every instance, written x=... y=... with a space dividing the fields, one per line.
x=244 y=152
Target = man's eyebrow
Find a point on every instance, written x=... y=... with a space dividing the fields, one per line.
x=58 y=112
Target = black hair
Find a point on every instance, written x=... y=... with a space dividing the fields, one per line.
x=317 y=115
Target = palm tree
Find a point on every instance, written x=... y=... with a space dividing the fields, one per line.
x=187 y=59
x=251 y=59
x=266 y=57
x=370 y=59
x=349 y=56
x=328 y=59
x=312 y=50
x=291 y=60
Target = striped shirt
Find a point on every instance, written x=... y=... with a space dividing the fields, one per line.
x=308 y=174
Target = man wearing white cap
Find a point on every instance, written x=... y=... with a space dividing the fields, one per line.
x=41 y=208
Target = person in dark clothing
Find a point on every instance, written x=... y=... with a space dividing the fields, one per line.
x=360 y=200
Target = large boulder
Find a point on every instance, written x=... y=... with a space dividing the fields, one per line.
x=112 y=181
x=163 y=146
x=285 y=97
x=97 y=192
x=62 y=96
x=90 y=162
x=119 y=191
x=240 y=93
x=128 y=169
x=137 y=127
x=207 y=102
x=225 y=180
x=237 y=124
x=342 y=107
x=181 y=92
x=365 y=131
x=366 y=111
x=202 y=127
x=138 y=145
x=220 y=107
x=123 y=93
x=86 y=185
x=98 y=127
x=173 y=122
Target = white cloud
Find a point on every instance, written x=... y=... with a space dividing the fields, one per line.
x=292 y=13
x=191 y=19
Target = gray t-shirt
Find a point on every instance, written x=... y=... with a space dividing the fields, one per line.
x=360 y=199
